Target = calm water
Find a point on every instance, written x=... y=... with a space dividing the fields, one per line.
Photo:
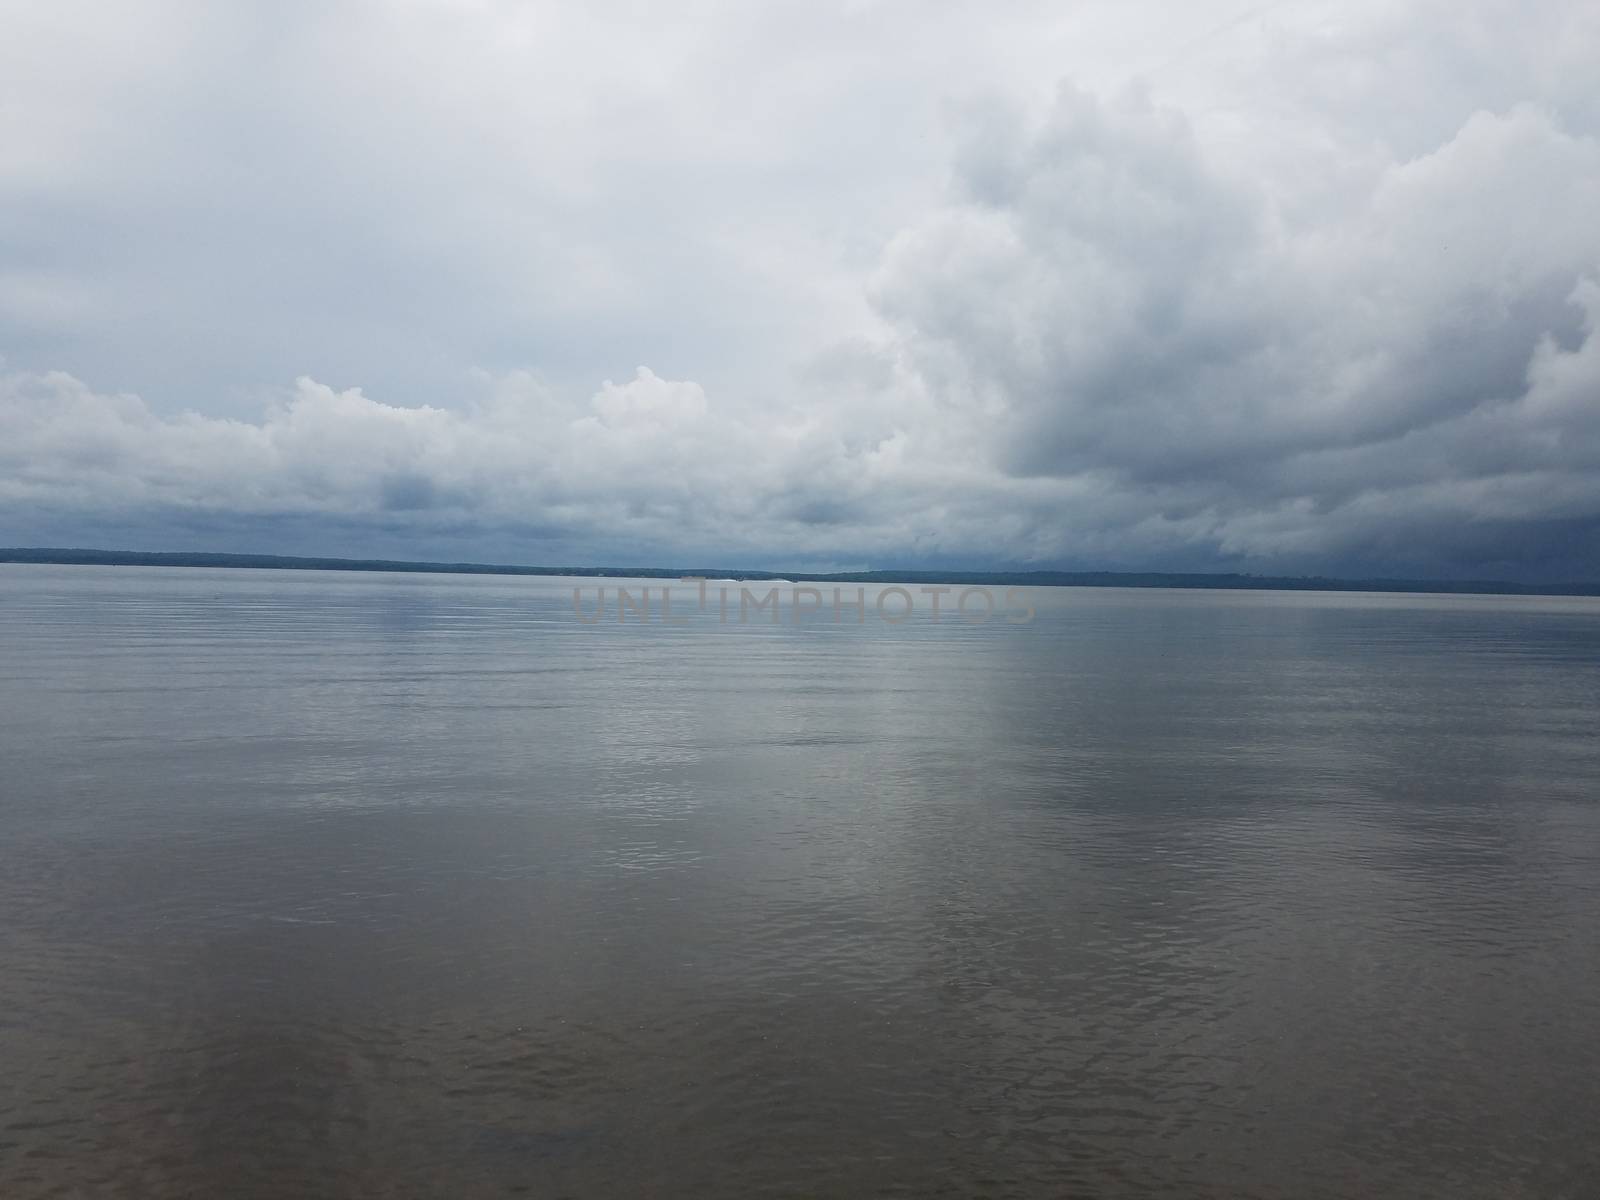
x=407 y=886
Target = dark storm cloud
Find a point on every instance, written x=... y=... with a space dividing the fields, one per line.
x=1425 y=360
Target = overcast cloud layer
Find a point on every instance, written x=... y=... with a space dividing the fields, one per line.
x=1283 y=287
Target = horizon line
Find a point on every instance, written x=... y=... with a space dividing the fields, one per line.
x=1218 y=580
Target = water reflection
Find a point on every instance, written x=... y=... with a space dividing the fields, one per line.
x=388 y=885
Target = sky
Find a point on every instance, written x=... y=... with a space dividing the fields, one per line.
x=1297 y=287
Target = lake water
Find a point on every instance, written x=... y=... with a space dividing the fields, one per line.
x=361 y=885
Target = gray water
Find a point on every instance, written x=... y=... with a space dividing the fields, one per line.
x=346 y=885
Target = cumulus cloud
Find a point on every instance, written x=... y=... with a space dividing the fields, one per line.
x=1358 y=387
x=1311 y=287
x=645 y=466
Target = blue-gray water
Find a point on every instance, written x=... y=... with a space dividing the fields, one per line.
x=329 y=885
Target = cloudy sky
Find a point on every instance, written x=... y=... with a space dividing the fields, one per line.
x=1285 y=287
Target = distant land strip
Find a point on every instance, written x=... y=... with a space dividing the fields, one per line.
x=1139 y=579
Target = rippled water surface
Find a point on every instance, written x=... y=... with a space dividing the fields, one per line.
x=342 y=885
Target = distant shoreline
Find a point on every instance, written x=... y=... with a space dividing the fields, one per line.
x=1139 y=579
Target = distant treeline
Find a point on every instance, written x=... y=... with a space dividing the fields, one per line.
x=1140 y=579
